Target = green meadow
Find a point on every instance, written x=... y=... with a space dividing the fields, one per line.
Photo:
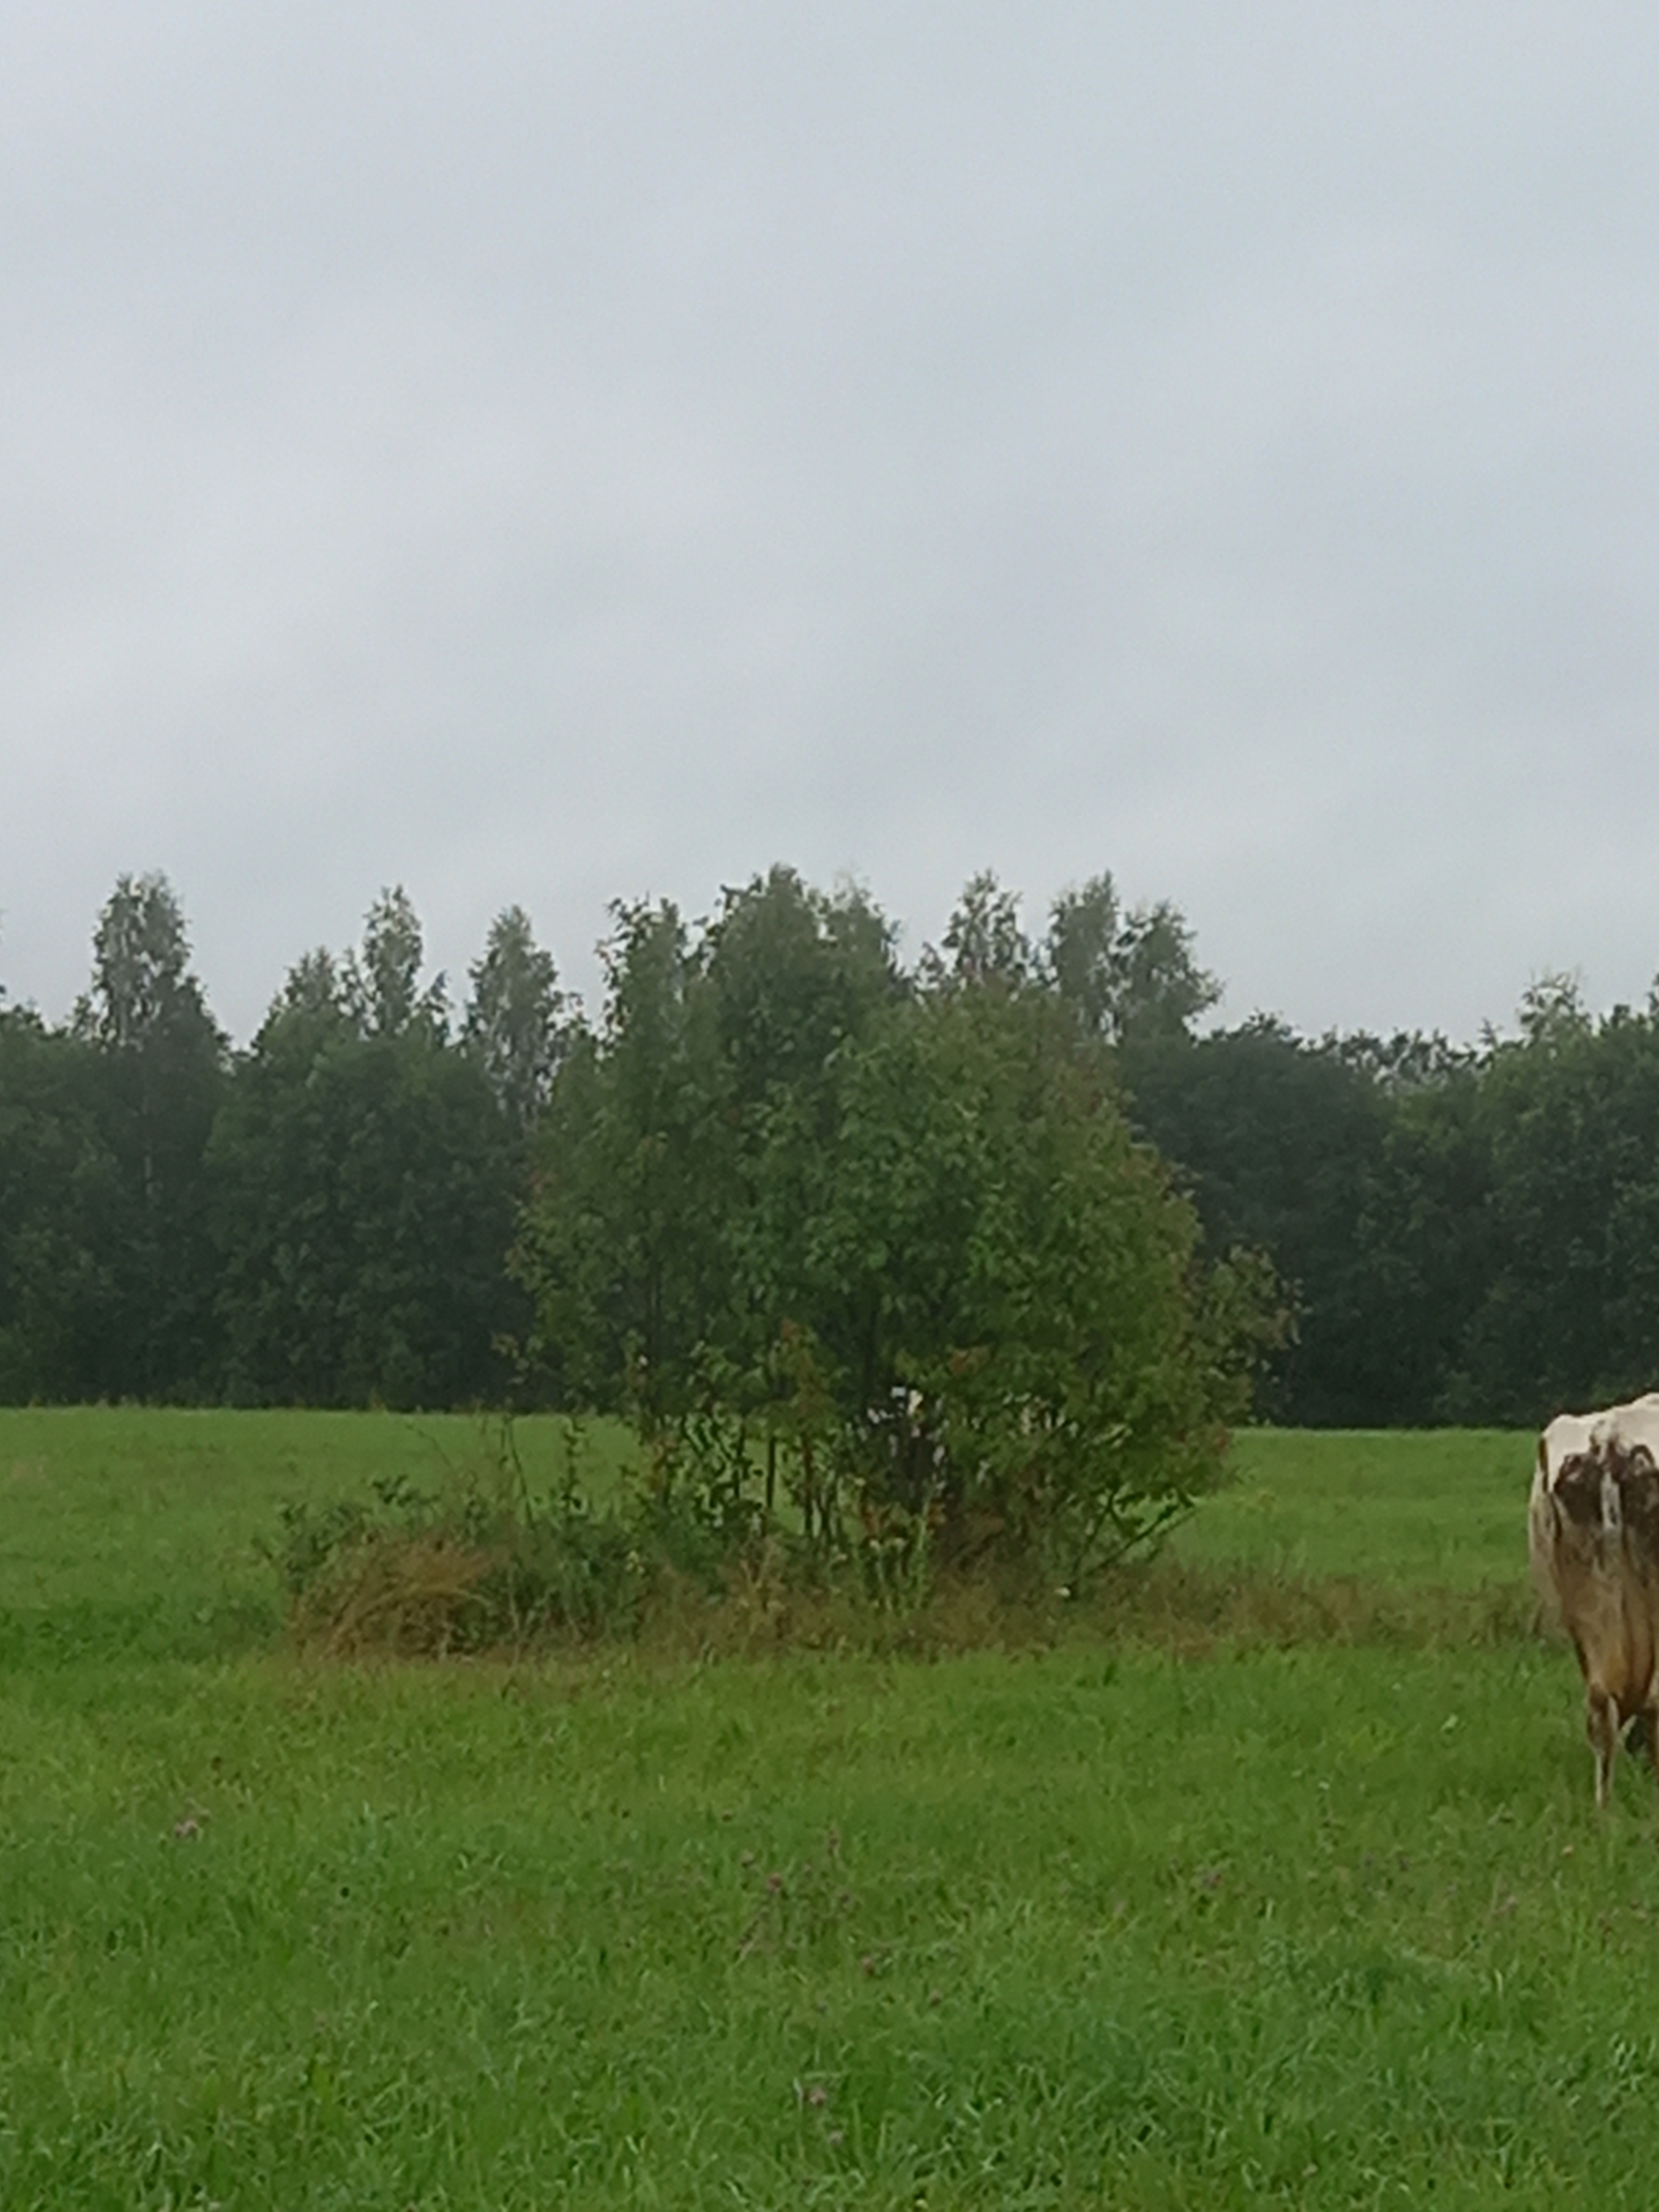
x=1116 y=1915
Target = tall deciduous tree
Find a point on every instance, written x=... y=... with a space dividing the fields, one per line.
x=1565 y=1307
x=365 y=1179
x=516 y=1020
x=1129 y=976
x=643 y=1246
x=984 y=943
x=793 y=972
x=59 y=1194
x=1282 y=1143
x=381 y=982
x=634 y=1167
x=162 y=1067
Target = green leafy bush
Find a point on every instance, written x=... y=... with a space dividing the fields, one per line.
x=902 y=1286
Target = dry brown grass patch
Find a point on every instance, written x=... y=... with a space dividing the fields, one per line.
x=412 y=1596
x=422 y=1595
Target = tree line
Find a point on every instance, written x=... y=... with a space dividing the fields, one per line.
x=320 y=1220
x=778 y=1176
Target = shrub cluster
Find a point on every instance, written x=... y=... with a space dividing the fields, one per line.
x=889 y=1239
x=483 y=1566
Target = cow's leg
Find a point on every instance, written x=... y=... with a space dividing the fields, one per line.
x=1601 y=1727
x=1646 y=1733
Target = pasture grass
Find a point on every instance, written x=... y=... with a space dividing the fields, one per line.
x=1270 y=1914
x=132 y=1529
x=1433 y=1507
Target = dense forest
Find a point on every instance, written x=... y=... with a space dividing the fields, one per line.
x=772 y=1135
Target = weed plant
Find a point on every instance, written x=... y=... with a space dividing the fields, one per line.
x=480 y=1564
x=487 y=1562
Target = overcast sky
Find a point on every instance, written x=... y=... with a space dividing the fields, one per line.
x=551 y=452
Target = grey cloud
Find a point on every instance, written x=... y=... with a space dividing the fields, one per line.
x=545 y=454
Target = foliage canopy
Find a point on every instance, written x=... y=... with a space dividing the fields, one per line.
x=780 y=1181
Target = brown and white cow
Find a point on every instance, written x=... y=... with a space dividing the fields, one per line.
x=1593 y=1532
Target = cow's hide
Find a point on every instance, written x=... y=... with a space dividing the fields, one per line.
x=1593 y=1528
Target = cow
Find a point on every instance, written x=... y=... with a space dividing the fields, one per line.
x=1593 y=1534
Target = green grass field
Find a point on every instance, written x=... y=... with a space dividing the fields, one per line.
x=1320 y=1923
